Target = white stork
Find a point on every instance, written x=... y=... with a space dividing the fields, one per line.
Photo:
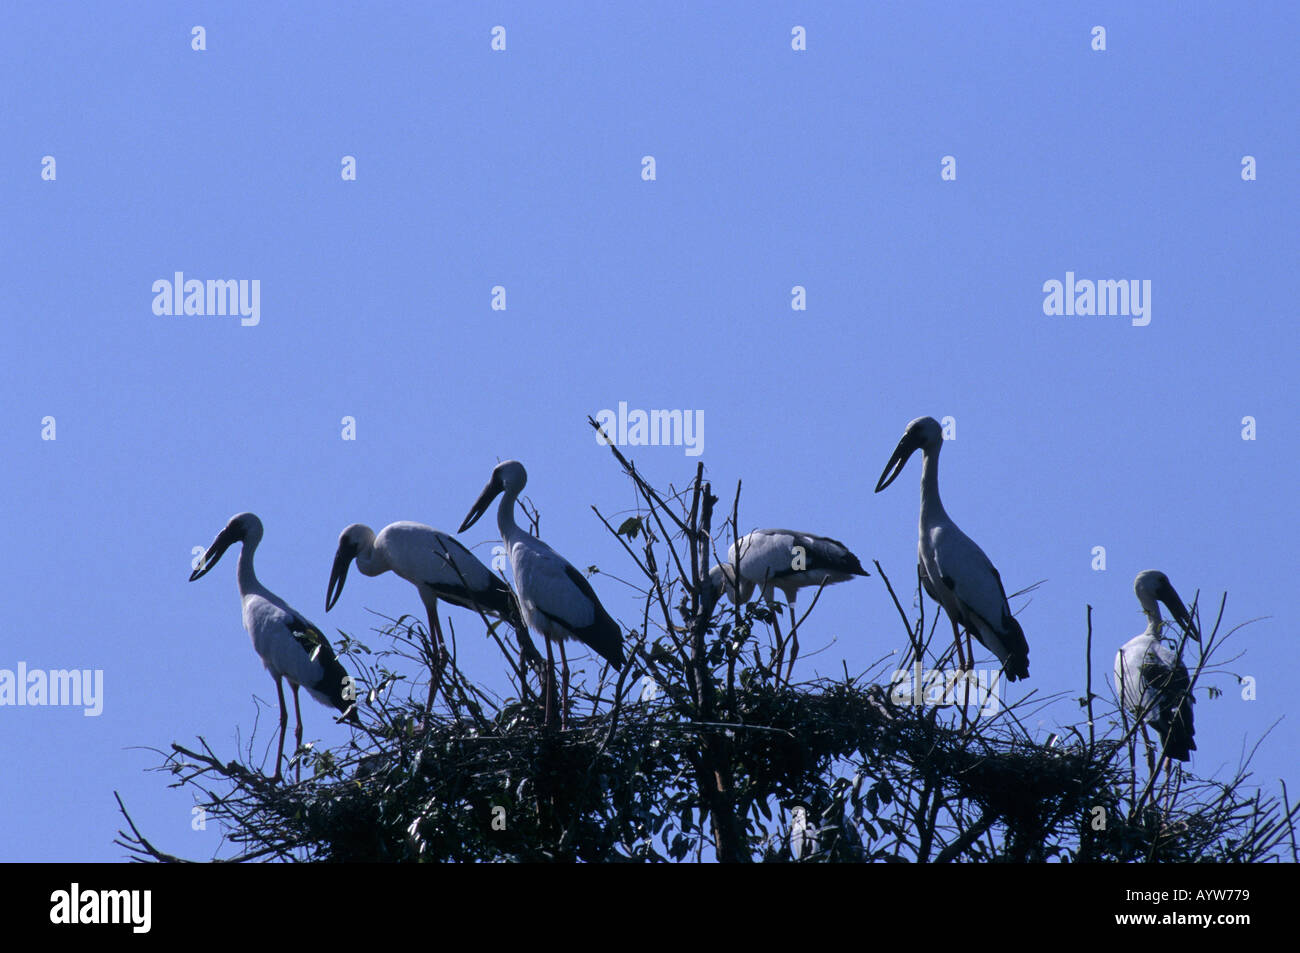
x=782 y=559
x=439 y=567
x=954 y=571
x=556 y=599
x=1150 y=678
x=290 y=646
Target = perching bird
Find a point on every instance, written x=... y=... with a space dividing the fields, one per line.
x=954 y=571
x=782 y=559
x=1150 y=678
x=556 y=599
x=290 y=646
x=439 y=567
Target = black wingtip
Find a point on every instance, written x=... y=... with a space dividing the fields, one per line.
x=1016 y=666
x=853 y=566
x=526 y=646
x=1016 y=669
x=1179 y=730
x=610 y=644
x=1180 y=743
x=611 y=650
x=1180 y=752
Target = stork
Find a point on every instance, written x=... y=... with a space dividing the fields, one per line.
x=782 y=559
x=290 y=646
x=953 y=570
x=556 y=600
x=439 y=567
x=1150 y=678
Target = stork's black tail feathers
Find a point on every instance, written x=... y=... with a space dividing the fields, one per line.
x=1017 y=664
x=607 y=639
x=513 y=617
x=526 y=646
x=337 y=685
x=1175 y=725
x=834 y=555
x=855 y=566
x=501 y=602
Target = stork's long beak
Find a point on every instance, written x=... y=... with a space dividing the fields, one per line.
x=490 y=493
x=339 y=574
x=1170 y=598
x=902 y=453
x=219 y=545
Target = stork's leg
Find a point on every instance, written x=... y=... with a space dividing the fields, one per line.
x=1132 y=746
x=297 y=731
x=794 y=639
x=437 y=653
x=1132 y=772
x=965 y=677
x=529 y=661
x=549 y=687
x=1146 y=740
x=956 y=639
x=918 y=649
x=778 y=652
x=564 y=689
x=1171 y=783
x=962 y=667
x=1163 y=761
x=284 y=724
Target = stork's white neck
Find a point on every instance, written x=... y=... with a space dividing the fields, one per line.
x=931 y=506
x=371 y=561
x=506 y=516
x=1152 y=610
x=247 y=579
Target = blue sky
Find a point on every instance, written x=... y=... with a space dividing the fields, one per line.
x=523 y=169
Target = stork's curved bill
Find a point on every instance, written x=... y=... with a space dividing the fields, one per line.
x=914 y=438
x=229 y=535
x=495 y=487
x=343 y=557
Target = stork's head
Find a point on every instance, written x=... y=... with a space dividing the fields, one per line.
x=245 y=528
x=722 y=578
x=923 y=433
x=508 y=477
x=719 y=577
x=1152 y=585
x=351 y=541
